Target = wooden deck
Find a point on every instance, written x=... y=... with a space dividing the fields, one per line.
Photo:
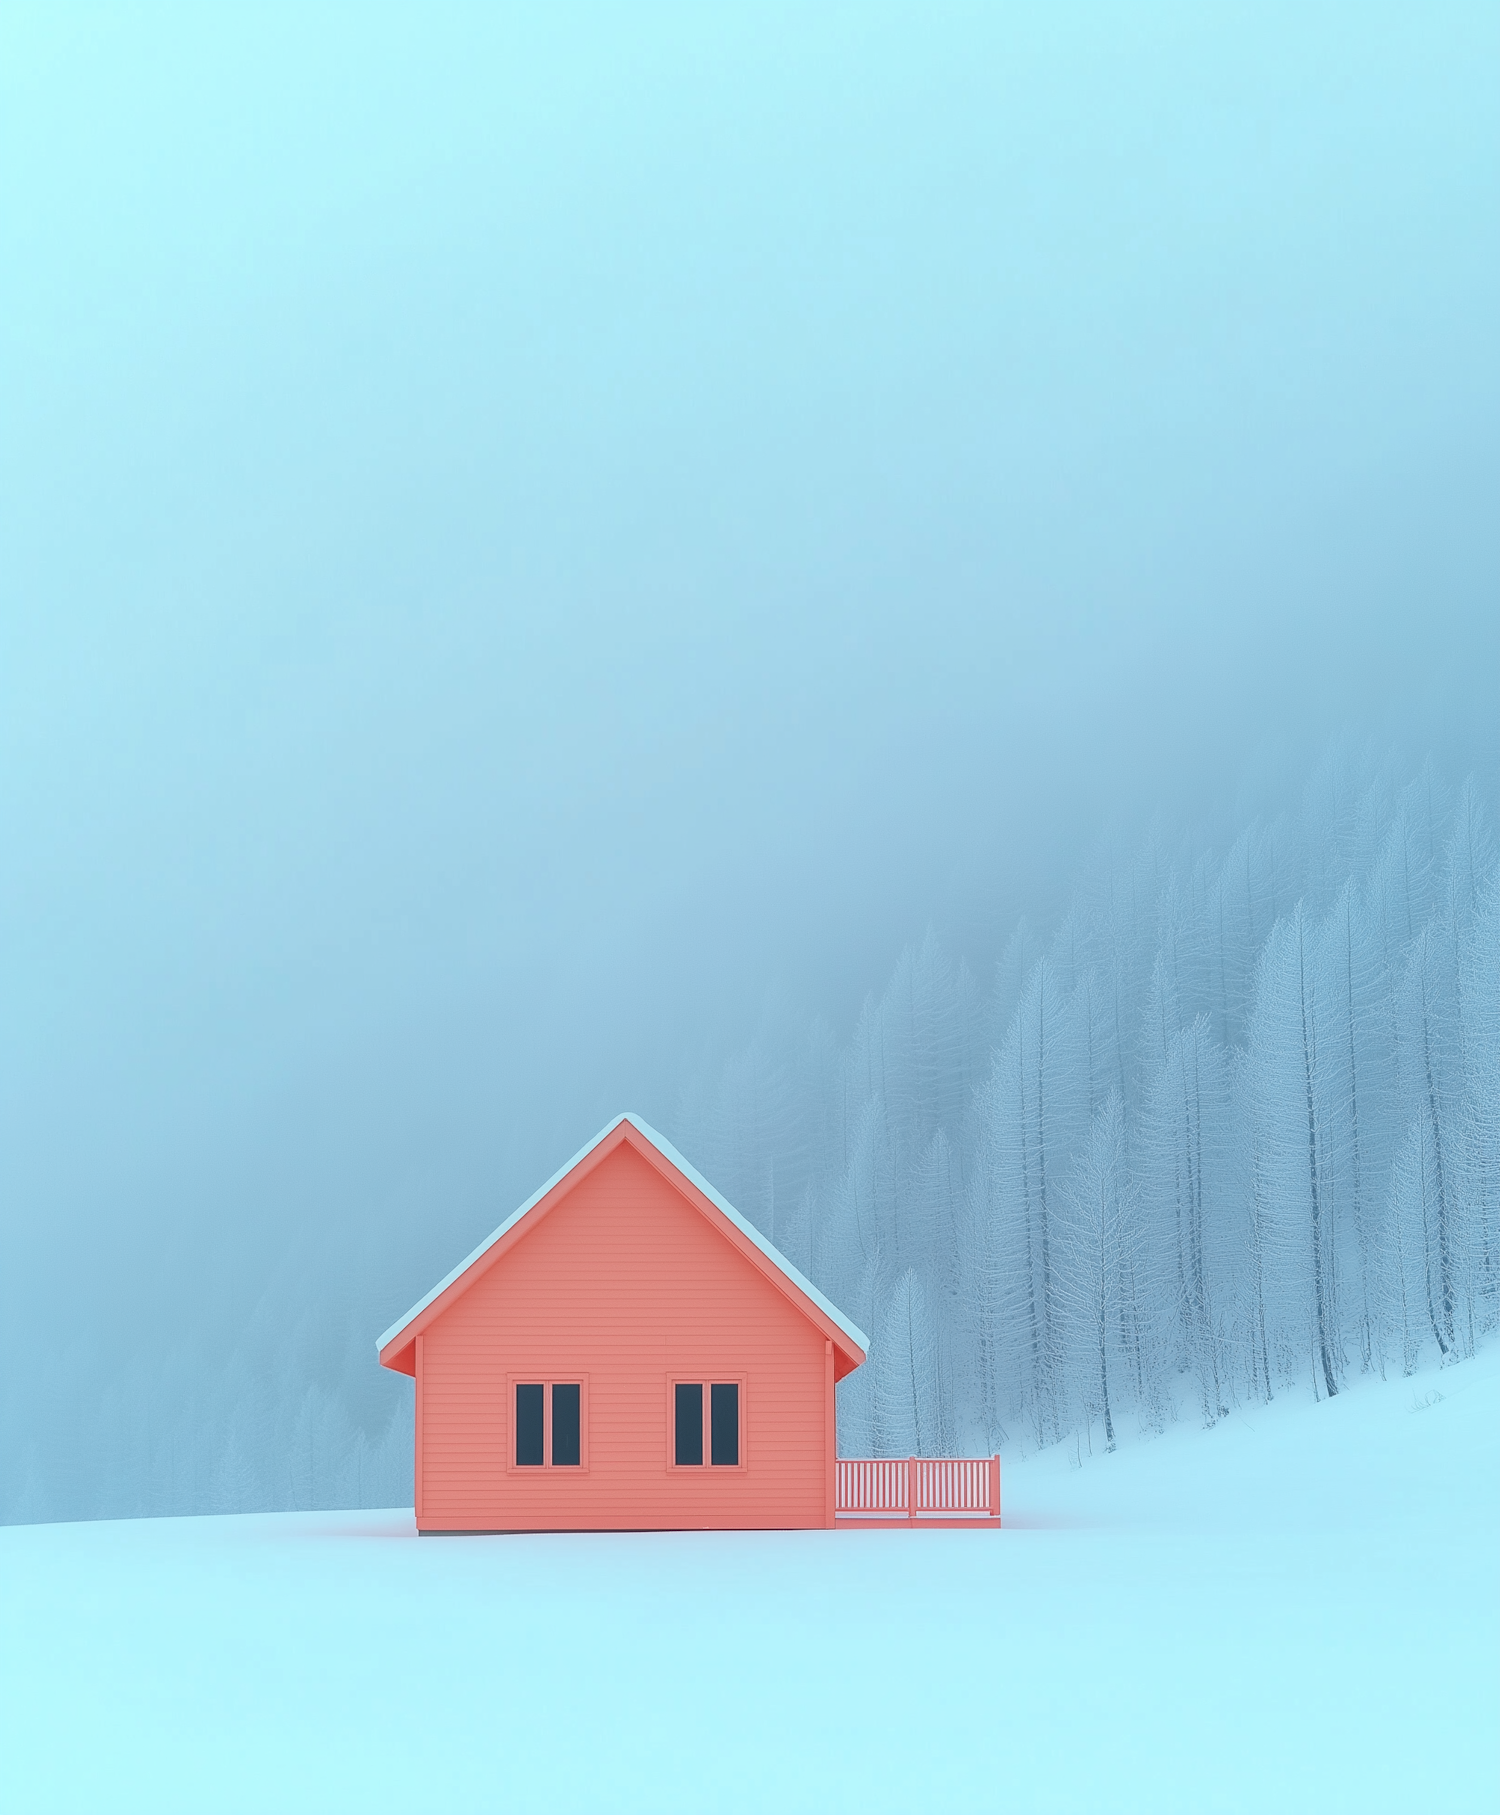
x=918 y=1490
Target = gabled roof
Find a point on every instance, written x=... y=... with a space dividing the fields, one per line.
x=396 y=1347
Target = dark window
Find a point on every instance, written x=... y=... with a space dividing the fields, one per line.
x=567 y=1424
x=724 y=1404
x=529 y=1426
x=689 y=1414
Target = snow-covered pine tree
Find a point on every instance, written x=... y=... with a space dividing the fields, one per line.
x=1286 y=1068
x=1099 y=1251
x=904 y=1370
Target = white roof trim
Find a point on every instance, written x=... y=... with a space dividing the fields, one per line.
x=670 y=1153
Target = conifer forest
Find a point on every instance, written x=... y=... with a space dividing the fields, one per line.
x=1230 y=1129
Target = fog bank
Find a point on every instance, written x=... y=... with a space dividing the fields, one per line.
x=531 y=548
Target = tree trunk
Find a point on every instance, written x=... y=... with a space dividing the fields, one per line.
x=1312 y=1166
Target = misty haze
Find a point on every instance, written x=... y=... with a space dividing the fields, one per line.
x=909 y=594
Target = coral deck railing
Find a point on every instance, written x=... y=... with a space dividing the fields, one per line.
x=921 y=1490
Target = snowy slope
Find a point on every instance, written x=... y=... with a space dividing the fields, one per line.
x=1295 y=1611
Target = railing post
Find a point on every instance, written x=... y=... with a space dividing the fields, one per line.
x=911 y=1490
x=995 y=1486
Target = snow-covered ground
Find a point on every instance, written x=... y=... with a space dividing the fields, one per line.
x=1299 y=1610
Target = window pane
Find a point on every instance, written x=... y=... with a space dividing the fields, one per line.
x=724 y=1403
x=566 y=1426
x=529 y=1426
x=689 y=1408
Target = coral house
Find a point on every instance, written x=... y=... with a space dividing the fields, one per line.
x=625 y=1352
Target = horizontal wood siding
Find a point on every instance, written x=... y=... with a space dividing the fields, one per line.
x=627 y=1283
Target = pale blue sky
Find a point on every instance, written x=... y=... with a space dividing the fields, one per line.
x=523 y=532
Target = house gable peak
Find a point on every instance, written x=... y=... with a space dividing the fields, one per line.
x=396 y=1346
